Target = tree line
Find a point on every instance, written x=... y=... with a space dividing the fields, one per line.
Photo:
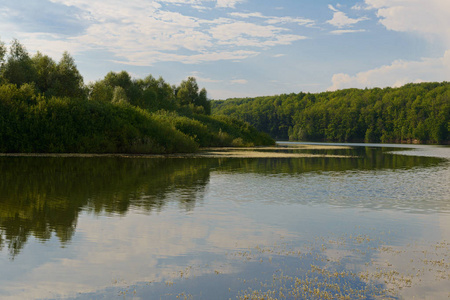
x=45 y=106
x=411 y=113
x=48 y=78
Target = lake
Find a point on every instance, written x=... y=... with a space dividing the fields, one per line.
x=342 y=222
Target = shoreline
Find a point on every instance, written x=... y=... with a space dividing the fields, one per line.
x=215 y=152
x=277 y=151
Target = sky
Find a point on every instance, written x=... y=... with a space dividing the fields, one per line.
x=242 y=48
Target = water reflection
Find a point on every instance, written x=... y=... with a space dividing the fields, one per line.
x=165 y=226
x=41 y=196
x=360 y=158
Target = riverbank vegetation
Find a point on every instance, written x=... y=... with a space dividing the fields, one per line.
x=412 y=113
x=46 y=107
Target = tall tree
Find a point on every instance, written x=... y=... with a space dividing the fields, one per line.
x=2 y=53
x=69 y=82
x=165 y=95
x=46 y=73
x=119 y=95
x=100 y=91
x=188 y=95
x=2 y=59
x=18 y=68
x=122 y=79
x=202 y=101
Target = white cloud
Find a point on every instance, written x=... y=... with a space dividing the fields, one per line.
x=144 y=32
x=428 y=18
x=190 y=2
x=274 y=20
x=340 y=19
x=343 y=31
x=332 y=8
x=284 y=20
x=239 y=81
x=249 y=34
x=148 y=58
x=247 y=15
x=53 y=46
x=231 y=31
x=398 y=73
x=360 y=6
x=228 y=3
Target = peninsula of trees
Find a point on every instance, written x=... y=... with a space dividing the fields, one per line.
x=417 y=113
x=45 y=107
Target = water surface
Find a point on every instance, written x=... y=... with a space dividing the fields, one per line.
x=374 y=222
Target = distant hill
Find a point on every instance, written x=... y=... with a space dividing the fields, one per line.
x=412 y=113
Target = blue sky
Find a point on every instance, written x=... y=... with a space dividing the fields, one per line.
x=242 y=48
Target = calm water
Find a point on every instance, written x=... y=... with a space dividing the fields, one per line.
x=374 y=224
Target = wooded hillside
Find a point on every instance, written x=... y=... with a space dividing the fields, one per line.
x=412 y=113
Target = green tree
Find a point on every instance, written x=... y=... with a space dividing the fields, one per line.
x=122 y=79
x=3 y=51
x=69 y=82
x=202 y=101
x=103 y=90
x=46 y=73
x=165 y=95
x=18 y=68
x=100 y=91
x=412 y=112
x=119 y=95
x=188 y=95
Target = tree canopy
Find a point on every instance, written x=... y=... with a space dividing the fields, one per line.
x=412 y=113
x=46 y=107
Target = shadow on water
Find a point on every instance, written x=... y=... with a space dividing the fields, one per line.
x=43 y=196
x=358 y=158
x=368 y=224
x=371 y=178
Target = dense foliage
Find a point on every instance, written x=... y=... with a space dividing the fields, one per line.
x=412 y=113
x=45 y=107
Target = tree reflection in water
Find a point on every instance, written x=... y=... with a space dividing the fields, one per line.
x=42 y=196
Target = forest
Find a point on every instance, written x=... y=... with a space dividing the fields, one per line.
x=413 y=113
x=45 y=107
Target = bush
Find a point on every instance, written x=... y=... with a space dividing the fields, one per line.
x=228 y=129
x=68 y=125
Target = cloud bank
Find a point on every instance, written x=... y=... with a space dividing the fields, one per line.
x=427 y=19
x=396 y=74
x=144 y=32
